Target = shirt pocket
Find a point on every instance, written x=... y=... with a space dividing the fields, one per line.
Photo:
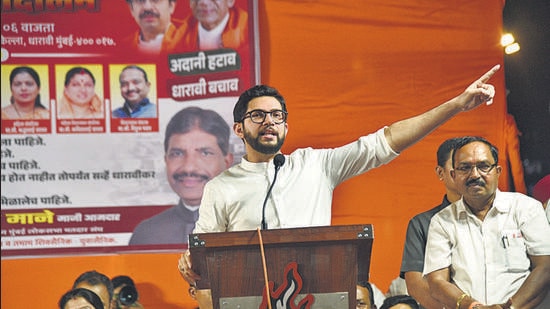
x=515 y=252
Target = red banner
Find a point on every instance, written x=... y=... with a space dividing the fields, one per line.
x=81 y=165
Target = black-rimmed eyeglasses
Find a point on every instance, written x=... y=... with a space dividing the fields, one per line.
x=466 y=169
x=258 y=116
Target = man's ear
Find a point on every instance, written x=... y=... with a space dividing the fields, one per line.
x=439 y=172
x=172 y=6
x=238 y=129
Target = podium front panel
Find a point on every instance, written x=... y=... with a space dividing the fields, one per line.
x=300 y=262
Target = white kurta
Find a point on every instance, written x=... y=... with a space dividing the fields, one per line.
x=302 y=194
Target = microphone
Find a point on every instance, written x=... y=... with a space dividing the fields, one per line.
x=278 y=161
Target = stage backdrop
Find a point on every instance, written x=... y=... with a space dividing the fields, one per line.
x=346 y=69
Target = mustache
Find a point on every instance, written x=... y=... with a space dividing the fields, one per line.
x=148 y=13
x=180 y=176
x=269 y=129
x=476 y=182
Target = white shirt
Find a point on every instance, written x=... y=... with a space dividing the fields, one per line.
x=212 y=39
x=152 y=46
x=302 y=194
x=378 y=296
x=488 y=258
x=398 y=286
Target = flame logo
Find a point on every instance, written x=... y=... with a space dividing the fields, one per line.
x=285 y=295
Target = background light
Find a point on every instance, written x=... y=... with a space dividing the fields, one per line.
x=507 y=39
x=512 y=48
x=508 y=42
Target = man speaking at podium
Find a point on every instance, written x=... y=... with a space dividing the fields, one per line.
x=233 y=200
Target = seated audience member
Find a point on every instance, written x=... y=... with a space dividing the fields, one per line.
x=490 y=248
x=400 y=302
x=365 y=296
x=97 y=283
x=80 y=298
x=125 y=294
x=412 y=263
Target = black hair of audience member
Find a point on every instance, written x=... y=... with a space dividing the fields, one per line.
x=368 y=286
x=400 y=299
x=88 y=295
x=95 y=278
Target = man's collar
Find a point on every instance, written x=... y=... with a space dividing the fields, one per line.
x=131 y=108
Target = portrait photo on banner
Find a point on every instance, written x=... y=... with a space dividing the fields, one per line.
x=25 y=85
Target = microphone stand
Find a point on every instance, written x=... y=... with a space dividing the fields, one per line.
x=279 y=160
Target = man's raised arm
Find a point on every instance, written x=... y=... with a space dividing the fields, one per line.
x=403 y=134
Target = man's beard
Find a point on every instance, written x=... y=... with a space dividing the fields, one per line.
x=262 y=148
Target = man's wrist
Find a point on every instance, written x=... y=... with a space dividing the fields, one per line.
x=460 y=299
x=474 y=305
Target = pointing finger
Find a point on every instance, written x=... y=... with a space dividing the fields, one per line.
x=489 y=74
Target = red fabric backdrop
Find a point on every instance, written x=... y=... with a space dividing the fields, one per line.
x=346 y=68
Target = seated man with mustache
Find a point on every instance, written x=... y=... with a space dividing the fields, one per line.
x=196 y=146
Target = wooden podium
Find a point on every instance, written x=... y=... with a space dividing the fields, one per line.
x=319 y=265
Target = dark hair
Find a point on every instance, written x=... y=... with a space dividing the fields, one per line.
x=77 y=70
x=122 y=280
x=93 y=277
x=463 y=141
x=445 y=149
x=88 y=295
x=207 y=120
x=134 y=67
x=400 y=299
x=32 y=72
x=368 y=286
x=256 y=91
